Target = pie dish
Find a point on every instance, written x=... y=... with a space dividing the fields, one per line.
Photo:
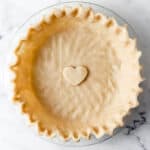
x=77 y=74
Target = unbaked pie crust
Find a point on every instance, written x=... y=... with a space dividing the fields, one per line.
x=77 y=74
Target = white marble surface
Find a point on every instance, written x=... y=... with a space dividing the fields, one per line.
x=14 y=132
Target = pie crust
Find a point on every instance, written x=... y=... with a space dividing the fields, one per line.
x=77 y=73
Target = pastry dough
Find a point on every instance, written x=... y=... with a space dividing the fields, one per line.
x=77 y=73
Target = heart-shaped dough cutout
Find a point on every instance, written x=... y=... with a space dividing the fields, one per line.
x=75 y=75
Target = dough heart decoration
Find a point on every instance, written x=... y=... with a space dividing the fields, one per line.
x=75 y=75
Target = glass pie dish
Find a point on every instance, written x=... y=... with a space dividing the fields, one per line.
x=35 y=18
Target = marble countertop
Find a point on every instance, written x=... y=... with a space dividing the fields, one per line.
x=14 y=132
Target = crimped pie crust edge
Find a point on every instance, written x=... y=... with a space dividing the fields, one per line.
x=92 y=17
